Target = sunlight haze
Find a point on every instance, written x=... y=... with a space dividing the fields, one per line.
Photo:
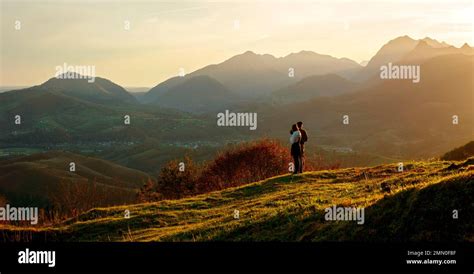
x=166 y=36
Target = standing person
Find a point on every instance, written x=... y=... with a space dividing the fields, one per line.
x=295 y=147
x=303 y=139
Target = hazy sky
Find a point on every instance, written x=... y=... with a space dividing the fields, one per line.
x=166 y=36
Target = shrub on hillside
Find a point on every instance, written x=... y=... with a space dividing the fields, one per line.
x=237 y=165
x=148 y=192
x=178 y=179
x=245 y=163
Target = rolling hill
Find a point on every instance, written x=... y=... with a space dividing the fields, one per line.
x=414 y=205
x=45 y=115
x=61 y=111
x=150 y=156
x=34 y=180
x=460 y=153
x=101 y=91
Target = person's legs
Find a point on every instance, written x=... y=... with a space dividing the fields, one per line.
x=302 y=158
x=296 y=161
x=301 y=163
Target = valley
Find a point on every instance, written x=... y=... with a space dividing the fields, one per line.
x=353 y=117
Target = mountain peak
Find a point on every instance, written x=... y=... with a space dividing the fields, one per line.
x=392 y=51
x=400 y=43
x=422 y=44
x=197 y=94
x=428 y=39
x=249 y=57
x=402 y=39
x=307 y=52
x=434 y=43
x=80 y=86
x=302 y=53
x=249 y=53
x=72 y=75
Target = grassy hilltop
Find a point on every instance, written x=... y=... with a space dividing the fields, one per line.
x=416 y=204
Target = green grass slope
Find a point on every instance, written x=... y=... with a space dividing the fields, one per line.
x=412 y=205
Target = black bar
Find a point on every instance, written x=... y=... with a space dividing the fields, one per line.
x=238 y=257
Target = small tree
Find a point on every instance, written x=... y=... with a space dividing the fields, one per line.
x=177 y=179
x=149 y=192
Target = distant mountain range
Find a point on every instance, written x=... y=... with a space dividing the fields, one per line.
x=256 y=77
x=393 y=117
x=251 y=75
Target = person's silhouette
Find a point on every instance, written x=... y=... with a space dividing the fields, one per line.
x=295 y=147
x=303 y=140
